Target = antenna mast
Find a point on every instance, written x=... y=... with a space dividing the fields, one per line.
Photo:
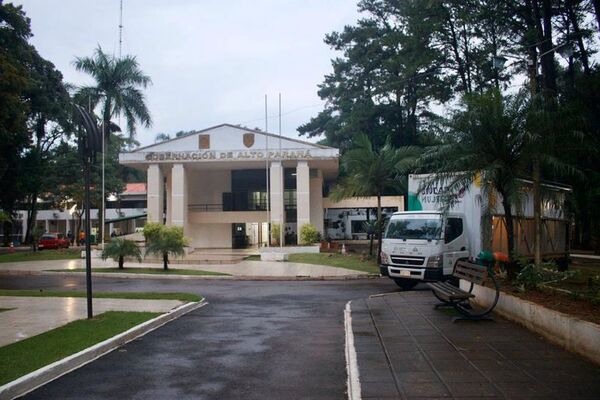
x=120 y=27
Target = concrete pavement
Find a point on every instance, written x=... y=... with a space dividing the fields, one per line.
x=30 y=316
x=242 y=269
x=285 y=340
x=406 y=350
x=254 y=340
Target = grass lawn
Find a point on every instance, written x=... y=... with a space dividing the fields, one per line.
x=103 y=295
x=156 y=271
x=62 y=254
x=33 y=353
x=349 y=261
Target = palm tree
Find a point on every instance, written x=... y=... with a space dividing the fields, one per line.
x=488 y=141
x=169 y=240
x=117 y=88
x=118 y=249
x=371 y=228
x=117 y=91
x=372 y=172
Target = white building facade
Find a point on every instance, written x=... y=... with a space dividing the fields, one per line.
x=225 y=184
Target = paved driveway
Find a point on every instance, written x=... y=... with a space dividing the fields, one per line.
x=285 y=340
x=255 y=340
x=408 y=350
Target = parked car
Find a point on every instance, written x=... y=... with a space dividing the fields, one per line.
x=53 y=241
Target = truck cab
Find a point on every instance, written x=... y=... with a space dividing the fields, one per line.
x=422 y=246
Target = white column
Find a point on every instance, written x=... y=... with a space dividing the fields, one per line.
x=47 y=222
x=302 y=195
x=316 y=201
x=169 y=199
x=276 y=188
x=155 y=194
x=178 y=195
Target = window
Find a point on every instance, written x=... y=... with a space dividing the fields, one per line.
x=454 y=228
x=414 y=227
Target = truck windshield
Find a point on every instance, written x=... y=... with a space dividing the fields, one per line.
x=414 y=228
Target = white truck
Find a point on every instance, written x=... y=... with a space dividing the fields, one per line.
x=424 y=243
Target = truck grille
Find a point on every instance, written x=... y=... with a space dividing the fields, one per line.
x=408 y=261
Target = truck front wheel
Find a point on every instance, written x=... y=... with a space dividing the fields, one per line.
x=406 y=284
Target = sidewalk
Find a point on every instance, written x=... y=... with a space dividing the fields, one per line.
x=242 y=269
x=406 y=350
x=30 y=316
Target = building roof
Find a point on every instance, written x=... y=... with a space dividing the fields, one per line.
x=241 y=128
x=135 y=188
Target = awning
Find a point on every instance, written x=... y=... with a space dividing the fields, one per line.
x=110 y=221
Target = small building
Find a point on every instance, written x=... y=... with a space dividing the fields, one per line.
x=225 y=184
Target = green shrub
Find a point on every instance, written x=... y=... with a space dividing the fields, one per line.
x=152 y=230
x=118 y=249
x=309 y=234
x=529 y=277
x=167 y=240
x=275 y=233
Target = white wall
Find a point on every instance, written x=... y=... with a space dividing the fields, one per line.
x=207 y=186
x=228 y=138
x=209 y=235
x=316 y=202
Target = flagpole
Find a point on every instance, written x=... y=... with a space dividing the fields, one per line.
x=281 y=233
x=267 y=176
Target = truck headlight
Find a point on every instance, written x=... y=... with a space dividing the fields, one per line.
x=385 y=259
x=435 y=262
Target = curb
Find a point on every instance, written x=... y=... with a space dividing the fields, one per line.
x=195 y=277
x=573 y=334
x=353 y=382
x=44 y=375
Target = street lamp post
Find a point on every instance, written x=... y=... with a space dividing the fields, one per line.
x=89 y=142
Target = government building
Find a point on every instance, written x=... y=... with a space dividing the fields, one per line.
x=225 y=184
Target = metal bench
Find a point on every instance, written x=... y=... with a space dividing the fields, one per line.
x=451 y=295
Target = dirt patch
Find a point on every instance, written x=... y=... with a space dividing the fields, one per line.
x=580 y=308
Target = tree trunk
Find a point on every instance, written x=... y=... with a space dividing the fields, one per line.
x=510 y=235
x=597 y=11
x=121 y=261
x=543 y=20
x=31 y=216
x=583 y=52
x=76 y=234
x=537 y=212
x=165 y=261
x=7 y=232
x=379 y=228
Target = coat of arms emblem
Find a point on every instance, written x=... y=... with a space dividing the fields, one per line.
x=248 y=139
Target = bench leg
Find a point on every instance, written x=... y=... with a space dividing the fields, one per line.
x=468 y=314
x=443 y=305
x=465 y=318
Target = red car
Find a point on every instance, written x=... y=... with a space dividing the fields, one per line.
x=53 y=241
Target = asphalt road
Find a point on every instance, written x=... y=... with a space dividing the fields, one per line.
x=255 y=340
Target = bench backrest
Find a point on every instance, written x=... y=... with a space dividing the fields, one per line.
x=470 y=272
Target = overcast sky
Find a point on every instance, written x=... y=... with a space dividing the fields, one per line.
x=210 y=61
